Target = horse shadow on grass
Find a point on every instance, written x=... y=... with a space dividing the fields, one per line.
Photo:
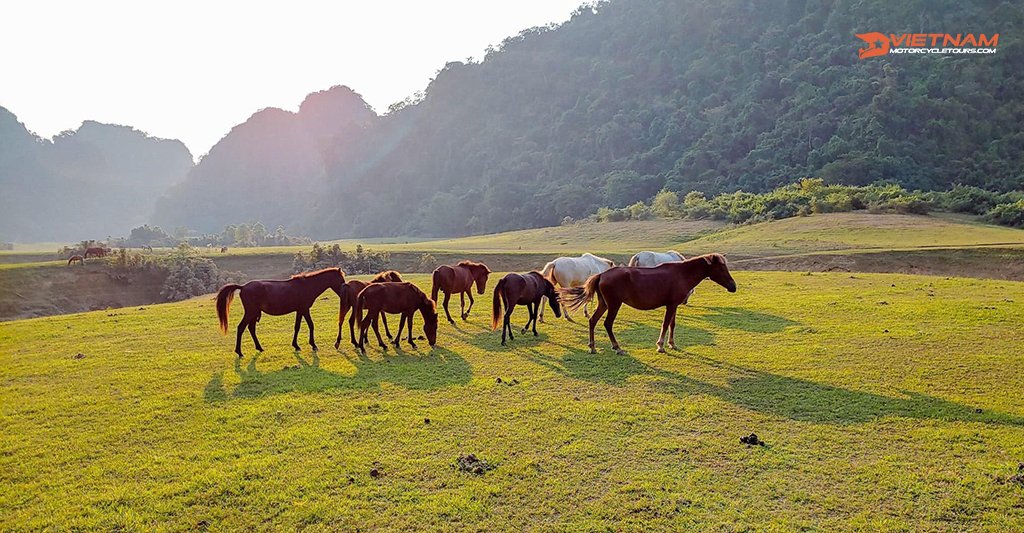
x=436 y=368
x=764 y=392
x=746 y=320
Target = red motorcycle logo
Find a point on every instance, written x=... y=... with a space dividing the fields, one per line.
x=878 y=44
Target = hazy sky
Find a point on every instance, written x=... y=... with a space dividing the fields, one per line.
x=191 y=70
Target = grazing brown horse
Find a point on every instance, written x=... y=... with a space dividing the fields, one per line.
x=459 y=279
x=278 y=297
x=76 y=259
x=223 y=249
x=666 y=285
x=96 y=251
x=400 y=298
x=348 y=300
x=522 y=289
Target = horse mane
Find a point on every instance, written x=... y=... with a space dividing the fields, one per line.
x=304 y=275
x=387 y=275
x=472 y=265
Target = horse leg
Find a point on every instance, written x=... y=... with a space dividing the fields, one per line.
x=376 y=330
x=408 y=324
x=252 y=332
x=238 y=339
x=540 y=311
x=364 y=325
x=672 y=332
x=398 y=335
x=351 y=332
x=565 y=311
x=529 y=318
x=309 y=322
x=384 y=318
x=447 y=296
x=298 y=324
x=593 y=322
x=507 y=323
x=609 y=321
x=670 y=311
x=471 y=300
x=341 y=326
x=533 y=316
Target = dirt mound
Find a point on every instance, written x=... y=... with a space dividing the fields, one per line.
x=470 y=463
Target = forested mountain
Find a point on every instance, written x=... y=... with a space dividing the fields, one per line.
x=95 y=181
x=706 y=95
x=268 y=169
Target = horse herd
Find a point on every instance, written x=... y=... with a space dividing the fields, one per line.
x=650 y=281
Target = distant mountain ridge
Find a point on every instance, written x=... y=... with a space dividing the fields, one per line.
x=98 y=180
x=269 y=168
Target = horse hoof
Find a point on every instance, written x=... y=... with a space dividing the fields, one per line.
x=661 y=349
x=413 y=344
x=593 y=350
x=620 y=351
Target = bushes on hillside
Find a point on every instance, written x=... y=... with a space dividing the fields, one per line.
x=189 y=275
x=360 y=261
x=815 y=196
x=1008 y=214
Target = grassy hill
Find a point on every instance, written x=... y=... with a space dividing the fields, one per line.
x=851 y=232
x=909 y=420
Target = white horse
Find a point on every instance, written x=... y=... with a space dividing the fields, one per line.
x=569 y=272
x=653 y=259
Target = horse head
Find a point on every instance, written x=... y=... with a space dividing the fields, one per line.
x=552 y=295
x=429 y=311
x=718 y=271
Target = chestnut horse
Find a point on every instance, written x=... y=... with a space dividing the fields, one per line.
x=459 y=279
x=645 y=288
x=522 y=289
x=96 y=251
x=75 y=259
x=396 y=297
x=348 y=300
x=278 y=297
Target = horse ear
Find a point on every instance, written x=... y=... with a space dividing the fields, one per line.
x=710 y=259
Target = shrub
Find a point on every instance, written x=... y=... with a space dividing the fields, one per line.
x=427 y=263
x=190 y=276
x=1011 y=214
x=361 y=261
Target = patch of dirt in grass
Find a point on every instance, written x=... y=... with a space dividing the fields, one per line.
x=470 y=463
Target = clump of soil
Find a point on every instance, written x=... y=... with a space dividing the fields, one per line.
x=752 y=440
x=1018 y=478
x=376 y=471
x=470 y=463
x=78 y=356
x=426 y=421
x=507 y=382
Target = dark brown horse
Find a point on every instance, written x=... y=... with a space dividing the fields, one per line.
x=459 y=279
x=96 y=251
x=400 y=298
x=348 y=300
x=278 y=297
x=75 y=259
x=666 y=285
x=522 y=289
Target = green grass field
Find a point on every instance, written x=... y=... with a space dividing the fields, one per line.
x=888 y=402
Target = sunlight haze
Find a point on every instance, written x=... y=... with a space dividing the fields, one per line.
x=192 y=70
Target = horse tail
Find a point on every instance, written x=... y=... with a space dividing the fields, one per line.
x=224 y=297
x=634 y=261
x=496 y=304
x=435 y=284
x=576 y=297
